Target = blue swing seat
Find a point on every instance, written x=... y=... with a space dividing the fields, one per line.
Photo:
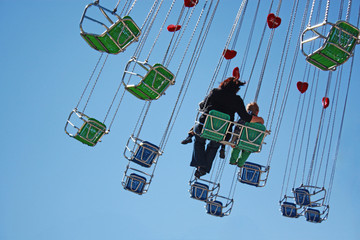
x=145 y=154
x=135 y=183
x=250 y=174
x=313 y=215
x=199 y=191
x=289 y=209
x=214 y=208
x=302 y=197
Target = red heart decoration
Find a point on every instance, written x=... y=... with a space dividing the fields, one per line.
x=273 y=21
x=173 y=28
x=302 y=86
x=190 y=3
x=236 y=73
x=229 y=54
x=325 y=102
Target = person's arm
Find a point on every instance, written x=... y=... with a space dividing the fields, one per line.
x=204 y=103
x=241 y=110
x=201 y=104
x=256 y=119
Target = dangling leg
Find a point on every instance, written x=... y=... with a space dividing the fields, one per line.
x=222 y=151
x=188 y=139
x=243 y=157
x=211 y=150
x=234 y=156
x=199 y=155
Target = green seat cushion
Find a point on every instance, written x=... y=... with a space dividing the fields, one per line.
x=91 y=132
x=216 y=126
x=250 y=139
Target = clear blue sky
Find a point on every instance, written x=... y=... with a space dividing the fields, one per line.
x=54 y=187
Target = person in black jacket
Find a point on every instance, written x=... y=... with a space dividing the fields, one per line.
x=223 y=99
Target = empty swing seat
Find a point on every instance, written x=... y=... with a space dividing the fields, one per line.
x=289 y=209
x=313 y=215
x=135 y=183
x=251 y=139
x=116 y=38
x=91 y=132
x=214 y=208
x=199 y=191
x=302 y=197
x=145 y=154
x=250 y=174
x=153 y=84
x=337 y=48
x=215 y=126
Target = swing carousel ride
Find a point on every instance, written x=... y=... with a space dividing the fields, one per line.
x=268 y=59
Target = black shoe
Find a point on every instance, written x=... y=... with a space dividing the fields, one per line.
x=197 y=174
x=222 y=153
x=200 y=172
x=187 y=140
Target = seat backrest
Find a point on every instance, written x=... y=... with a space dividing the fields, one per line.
x=344 y=35
x=145 y=154
x=250 y=174
x=214 y=208
x=289 y=209
x=199 y=191
x=125 y=33
x=135 y=183
x=302 y=197
x=107 y=41
x=158 y=79
x=313 y=215
x=340 y=42
x=90 y=132
x=215 y=126
x=251 y=138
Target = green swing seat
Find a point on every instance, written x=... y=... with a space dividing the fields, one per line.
x=153 y=84
x=91 y=132
x=116 y=38
x=337 y=48
x=216 y=125
x=251 y=137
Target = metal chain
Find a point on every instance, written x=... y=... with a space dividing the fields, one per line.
x=97 y=78
x=341 y=124
x=91 y=76
x=217 y=69
x=163 y=24
x=334 y=106
x=318 y=136
x=311 y=12
x=173 y=116
x=281 y=67
x=192 y=66
x=284 y=100
x=348 y=11
x=327 y=10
